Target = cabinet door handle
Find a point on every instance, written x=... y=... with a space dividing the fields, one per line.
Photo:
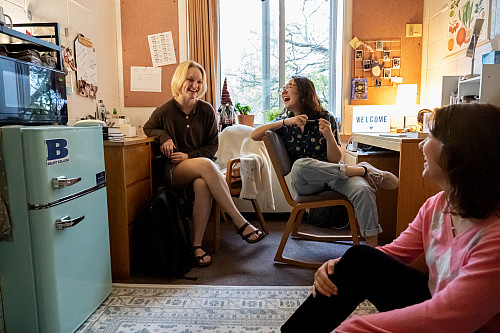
x=67 y=222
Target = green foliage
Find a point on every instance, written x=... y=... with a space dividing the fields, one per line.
x=270 y=115
x=465 y=14
x=242 y=109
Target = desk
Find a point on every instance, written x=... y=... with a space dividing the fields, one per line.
x=128 y=176
x=413 y=190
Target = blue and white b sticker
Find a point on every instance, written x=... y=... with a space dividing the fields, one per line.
x=57 y=151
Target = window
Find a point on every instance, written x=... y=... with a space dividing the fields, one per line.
x=258 y=57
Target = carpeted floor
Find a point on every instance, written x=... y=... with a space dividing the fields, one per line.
x=240 y=264
x=192 y=308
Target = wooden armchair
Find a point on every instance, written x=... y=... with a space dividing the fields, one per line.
x=282 y=166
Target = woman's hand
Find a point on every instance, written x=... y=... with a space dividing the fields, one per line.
x=326 y=129
x=322 y=282
x=299 y=120
x=167 y=148
x=178 y=157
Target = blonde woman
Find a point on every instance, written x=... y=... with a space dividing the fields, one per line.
x=187 y=130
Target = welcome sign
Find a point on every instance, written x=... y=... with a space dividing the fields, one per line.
x=366 y=119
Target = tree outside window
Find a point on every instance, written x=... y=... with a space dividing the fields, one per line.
x=306 y=49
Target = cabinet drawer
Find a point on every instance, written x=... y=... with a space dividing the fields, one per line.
x=137 y=196
x=137 y=161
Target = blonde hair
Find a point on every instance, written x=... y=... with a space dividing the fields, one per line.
x=180 y=76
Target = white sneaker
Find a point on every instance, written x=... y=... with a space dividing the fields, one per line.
x=377 y=177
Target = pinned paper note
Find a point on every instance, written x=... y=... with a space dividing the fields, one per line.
x=145 y=79
x=162 y=49
x=355 y=43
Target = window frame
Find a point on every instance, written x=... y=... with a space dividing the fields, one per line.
x=337 y=53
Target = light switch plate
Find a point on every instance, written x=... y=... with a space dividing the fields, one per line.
x=414 y=30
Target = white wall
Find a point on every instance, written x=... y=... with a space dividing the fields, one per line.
x=435 y=64
x=95 y=19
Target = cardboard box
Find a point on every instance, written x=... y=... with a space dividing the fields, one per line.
x=491 y=58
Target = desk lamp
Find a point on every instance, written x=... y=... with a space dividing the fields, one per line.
x=471 y=50
x=406 y=100
x=406 y=94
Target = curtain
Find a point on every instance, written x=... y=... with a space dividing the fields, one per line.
x=203 y=42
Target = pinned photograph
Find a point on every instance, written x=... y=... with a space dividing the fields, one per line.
x=396 y=62
x=378 y=83
x=359 y=55
x=359 y=88
x=379 y=45
x=387 y=55
x=367 y=65
x=387 y=73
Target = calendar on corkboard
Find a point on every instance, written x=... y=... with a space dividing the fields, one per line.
x=378 y=62
x=138 y=22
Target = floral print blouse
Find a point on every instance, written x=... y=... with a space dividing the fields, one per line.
x=309 y=143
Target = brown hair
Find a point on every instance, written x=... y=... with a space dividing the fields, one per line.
x=470 y=157
x=308 y=99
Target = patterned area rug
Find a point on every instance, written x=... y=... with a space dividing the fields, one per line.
x=183 y=308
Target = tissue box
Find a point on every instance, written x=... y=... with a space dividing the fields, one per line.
x=127 y=130
x=491 y=58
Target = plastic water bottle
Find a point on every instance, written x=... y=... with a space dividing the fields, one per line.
x=101 y=111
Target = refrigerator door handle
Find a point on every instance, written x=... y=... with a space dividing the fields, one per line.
x=62 y=181
x=67 y=222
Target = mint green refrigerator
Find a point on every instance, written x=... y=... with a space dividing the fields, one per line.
x=56 y=270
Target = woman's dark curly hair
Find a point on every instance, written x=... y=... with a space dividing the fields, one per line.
x=308 y=99
x=470 y=157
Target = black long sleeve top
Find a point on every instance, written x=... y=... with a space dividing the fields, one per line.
x=194 y=134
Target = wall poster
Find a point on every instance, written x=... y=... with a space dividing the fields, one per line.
x=86 y=62
x=461 y=20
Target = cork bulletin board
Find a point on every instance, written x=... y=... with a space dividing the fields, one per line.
x=138 y=20
x=375 y=20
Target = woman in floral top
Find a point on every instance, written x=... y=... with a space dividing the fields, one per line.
x=311 y=138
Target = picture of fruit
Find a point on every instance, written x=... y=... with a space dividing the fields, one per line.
x=451 y=44
x=468 y=34
x=461 y=36
x=462 y=14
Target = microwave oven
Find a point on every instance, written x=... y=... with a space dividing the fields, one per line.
x=31 y=94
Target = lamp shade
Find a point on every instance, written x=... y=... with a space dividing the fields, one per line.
x=407 y=94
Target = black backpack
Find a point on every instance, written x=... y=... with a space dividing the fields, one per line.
x=163 y=242
x=329 y=217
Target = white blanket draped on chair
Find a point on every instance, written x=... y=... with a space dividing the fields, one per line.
x=255 y=166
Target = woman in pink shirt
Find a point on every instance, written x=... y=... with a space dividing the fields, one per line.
x=458 y=230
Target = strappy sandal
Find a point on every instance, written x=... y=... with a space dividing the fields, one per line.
x=199 y=259
x=246 y=237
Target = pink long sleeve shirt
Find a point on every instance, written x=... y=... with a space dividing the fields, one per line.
x=464 y=277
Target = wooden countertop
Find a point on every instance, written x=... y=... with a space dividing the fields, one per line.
x=129 y=141
x=387 y=142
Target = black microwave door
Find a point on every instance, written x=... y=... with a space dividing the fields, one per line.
x=31 y=94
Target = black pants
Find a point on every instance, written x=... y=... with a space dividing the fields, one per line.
x=362 y=273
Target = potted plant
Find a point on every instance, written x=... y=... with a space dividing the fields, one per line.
x=270 y=115
x=244 y=116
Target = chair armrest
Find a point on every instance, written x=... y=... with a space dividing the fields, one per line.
x=229 y=171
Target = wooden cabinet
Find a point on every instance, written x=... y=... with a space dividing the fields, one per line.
x=128 y=174
x=387 y=200
x=413 y=189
